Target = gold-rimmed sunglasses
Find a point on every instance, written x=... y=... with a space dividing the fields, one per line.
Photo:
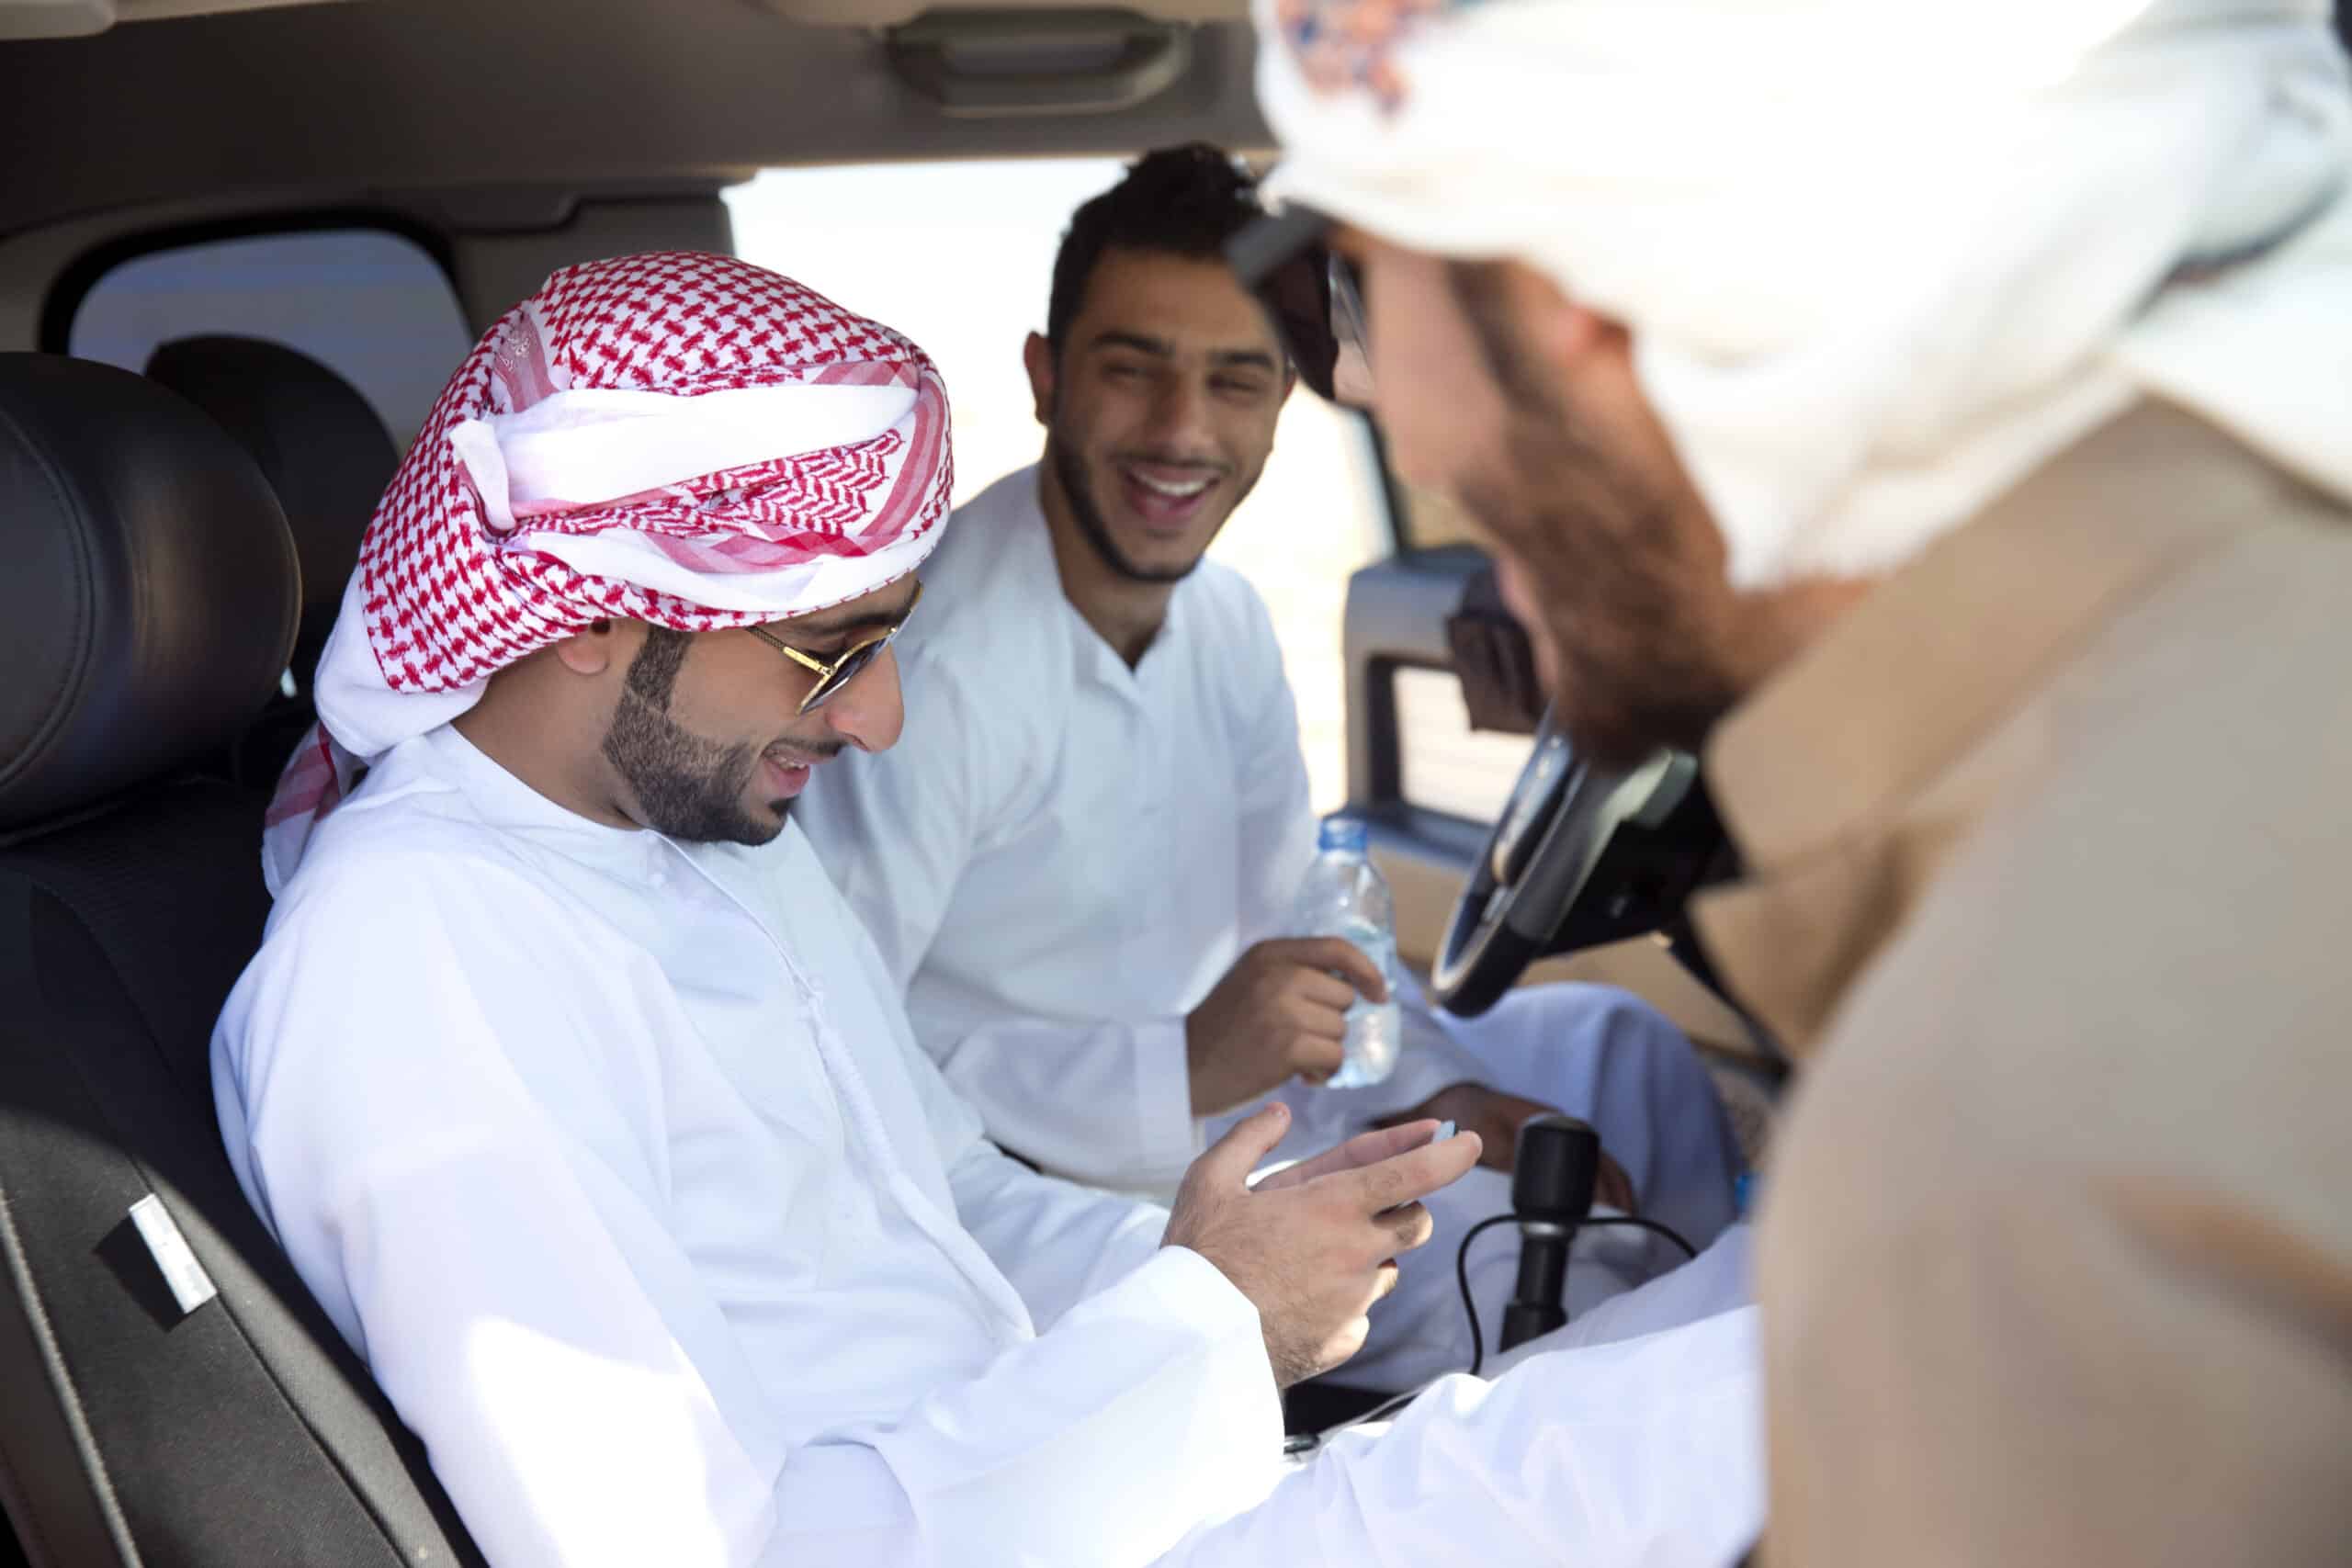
x=833 y=674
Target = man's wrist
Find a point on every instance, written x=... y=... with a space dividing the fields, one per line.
x=1193 y=1054
x=1451 y=1102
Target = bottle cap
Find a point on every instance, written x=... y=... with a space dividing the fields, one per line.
x=1343 y=833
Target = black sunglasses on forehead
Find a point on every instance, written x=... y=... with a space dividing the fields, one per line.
x=1286 y=263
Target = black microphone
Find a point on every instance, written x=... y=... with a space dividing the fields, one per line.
x=1553 y=1173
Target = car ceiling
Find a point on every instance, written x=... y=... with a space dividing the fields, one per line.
x=489 y=116
x=490 y=105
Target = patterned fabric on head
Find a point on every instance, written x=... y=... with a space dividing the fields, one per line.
x=683 y=439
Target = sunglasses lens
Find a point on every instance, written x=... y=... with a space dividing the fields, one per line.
x=1317 y=302
x=1314 y=297
x=1350 y=343
x=1297 y=294
x=855 y=661
x=843 y=674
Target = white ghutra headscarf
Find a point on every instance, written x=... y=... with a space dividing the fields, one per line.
x=1878 y=260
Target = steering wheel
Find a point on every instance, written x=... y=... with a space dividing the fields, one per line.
x=1579 y=856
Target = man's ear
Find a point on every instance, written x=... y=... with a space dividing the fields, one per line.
x=1037 y=359
x=596 y=649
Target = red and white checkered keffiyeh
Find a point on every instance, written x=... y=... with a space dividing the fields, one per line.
x=679 y=438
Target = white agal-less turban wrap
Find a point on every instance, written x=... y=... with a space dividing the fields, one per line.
x=1879 y=259
x=684 y=439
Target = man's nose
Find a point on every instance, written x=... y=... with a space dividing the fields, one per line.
x=869 y=711
x=1180 y=417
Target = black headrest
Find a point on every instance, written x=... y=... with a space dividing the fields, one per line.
x=326 y=452
x=149 y=601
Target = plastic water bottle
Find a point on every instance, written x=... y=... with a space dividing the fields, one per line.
x=1345 y=896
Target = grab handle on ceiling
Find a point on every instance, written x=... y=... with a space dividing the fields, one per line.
x=991 y=64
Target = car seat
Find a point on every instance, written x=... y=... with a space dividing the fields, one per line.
x=170 y=1394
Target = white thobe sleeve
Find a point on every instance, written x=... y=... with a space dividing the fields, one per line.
x=1058 y=1243
x=1104 y=1102
x=442 y=1128
x=1648 y=1451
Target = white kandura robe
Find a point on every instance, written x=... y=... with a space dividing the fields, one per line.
x=615 y=1162
x=1064 y=855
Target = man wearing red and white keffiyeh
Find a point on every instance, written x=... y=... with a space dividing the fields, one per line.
x=587 y=1111
x=686 y=441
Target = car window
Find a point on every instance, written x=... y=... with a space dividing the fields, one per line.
x=959 y=257
x=371 y=305
x=1443 y=764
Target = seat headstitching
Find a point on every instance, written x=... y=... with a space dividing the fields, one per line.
x=150 y=601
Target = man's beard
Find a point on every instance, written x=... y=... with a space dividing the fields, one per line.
x=1071 y=470
x=1620 y=589
x=1079 y=487
x=686 y=787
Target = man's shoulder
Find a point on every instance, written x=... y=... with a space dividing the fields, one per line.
x=1229 y=639
x=993 y=623
x=2224 y=674
x=2171 y=862
x=2134 y=955
x=992 y=572
x=1230 y=600
x=409 y=920
x=408 y=846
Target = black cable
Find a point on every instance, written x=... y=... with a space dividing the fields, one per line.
x=1640 y=1223
x=1308 y=1442
x=1461 y=1278
x=1462 y=1265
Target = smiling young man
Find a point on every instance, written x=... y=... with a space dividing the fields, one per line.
x=1942 y=421
x=580 y=1100
x=1083 y=875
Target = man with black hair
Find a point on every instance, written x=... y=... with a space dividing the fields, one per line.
x=1083 y=875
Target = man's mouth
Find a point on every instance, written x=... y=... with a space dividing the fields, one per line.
x=786 y=773
x=1167 y=498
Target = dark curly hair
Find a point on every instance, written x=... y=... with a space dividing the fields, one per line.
x=1184 y=201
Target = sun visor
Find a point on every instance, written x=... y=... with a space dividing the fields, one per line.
x=80 y=19
x=898 y=13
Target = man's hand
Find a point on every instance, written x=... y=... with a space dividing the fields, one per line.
x=1363 y=1149
x=1315 y=1246
x=1495 y=1118
x=1279 y=1011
